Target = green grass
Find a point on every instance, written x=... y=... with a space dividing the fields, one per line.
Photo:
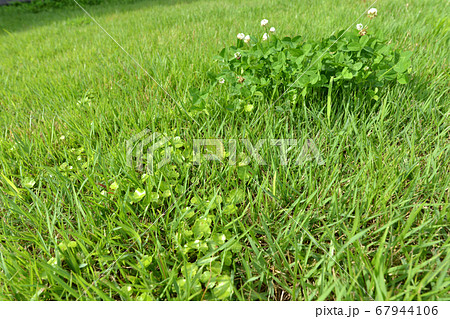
x=371 y=223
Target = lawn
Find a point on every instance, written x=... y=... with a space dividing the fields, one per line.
x=368 y=221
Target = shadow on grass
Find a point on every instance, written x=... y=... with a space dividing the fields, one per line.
x=26 y=16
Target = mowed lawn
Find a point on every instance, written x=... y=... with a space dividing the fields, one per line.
x=369 y=223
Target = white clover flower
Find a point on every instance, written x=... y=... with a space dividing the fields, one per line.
x=272 y=29
x=265 y=37
x=241 y=36
x=264 y=22
x=247 y=39
x=237 y=55
x=372 y=12
x=359 y=26
x=62 y=138
x=221 y=80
